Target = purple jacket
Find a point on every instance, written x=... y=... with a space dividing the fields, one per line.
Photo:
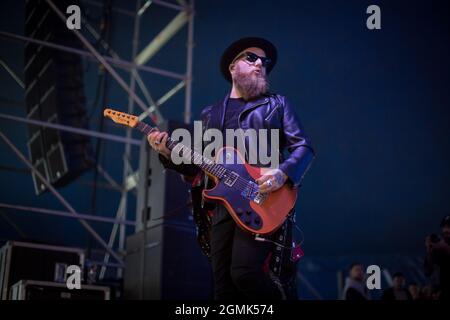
x=267 y=112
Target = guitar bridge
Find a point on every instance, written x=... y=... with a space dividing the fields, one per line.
x=251 y=192
x=259 y=198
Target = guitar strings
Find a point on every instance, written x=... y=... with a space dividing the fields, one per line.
x=240 y=184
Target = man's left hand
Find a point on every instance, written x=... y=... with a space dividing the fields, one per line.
x=271 y=181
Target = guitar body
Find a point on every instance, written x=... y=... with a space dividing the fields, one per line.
x=235 y=186
x=258 y=218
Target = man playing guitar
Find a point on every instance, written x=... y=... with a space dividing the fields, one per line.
x=244 y=267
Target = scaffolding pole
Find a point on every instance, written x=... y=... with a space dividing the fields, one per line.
x=126 y=65
x=107 y=66
x=190 y=57
x=121 y=211
x=185 y=16
x=76 y=130
x=65 y=214
x=139 y=80
x=60 y=198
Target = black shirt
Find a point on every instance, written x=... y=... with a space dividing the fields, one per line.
x=234 y=108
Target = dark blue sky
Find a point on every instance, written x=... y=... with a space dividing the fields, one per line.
x=375 y=104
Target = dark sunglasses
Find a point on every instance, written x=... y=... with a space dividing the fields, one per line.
x=252 y=58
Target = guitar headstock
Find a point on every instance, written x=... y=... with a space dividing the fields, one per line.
x=121 y=117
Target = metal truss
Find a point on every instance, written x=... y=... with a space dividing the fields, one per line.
x=185 y=16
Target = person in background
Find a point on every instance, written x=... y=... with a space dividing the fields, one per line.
x=414 y=291
x=425 y=292
x=438 y=257
x=398 y=290
x=355 y=287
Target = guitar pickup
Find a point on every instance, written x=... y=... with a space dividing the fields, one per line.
x=231 y=179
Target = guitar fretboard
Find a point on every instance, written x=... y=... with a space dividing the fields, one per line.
x=196 y=158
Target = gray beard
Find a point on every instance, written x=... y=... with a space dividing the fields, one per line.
x=250 y=86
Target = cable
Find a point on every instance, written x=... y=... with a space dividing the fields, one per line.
x=258 y=238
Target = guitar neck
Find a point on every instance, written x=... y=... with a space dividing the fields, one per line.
x=187 y=153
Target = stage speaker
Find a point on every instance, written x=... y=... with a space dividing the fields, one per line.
x=163 y=196
x=47 y=290
x=54 y=93
x=165 y=263
x=34 y=261
x=163 y=259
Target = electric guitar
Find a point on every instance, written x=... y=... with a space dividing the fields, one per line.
x=234 y=183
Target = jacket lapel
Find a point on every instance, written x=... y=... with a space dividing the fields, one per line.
x=255 y=103
x=218 y=111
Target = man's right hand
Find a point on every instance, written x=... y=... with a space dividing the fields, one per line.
x=157 y=141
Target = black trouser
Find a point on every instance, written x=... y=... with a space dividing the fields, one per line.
x=238 y=260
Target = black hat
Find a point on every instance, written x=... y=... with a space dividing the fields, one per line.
x=238 y=46
x=445 y=221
